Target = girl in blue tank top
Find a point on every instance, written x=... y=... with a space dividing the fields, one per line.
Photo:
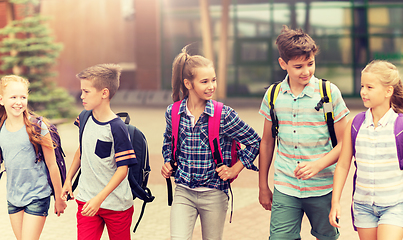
x=28 y=190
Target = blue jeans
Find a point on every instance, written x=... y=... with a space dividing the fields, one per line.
x=38 y=207
x=370 y=216
x=211 y=205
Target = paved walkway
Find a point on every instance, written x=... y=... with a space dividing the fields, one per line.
x=250 y=220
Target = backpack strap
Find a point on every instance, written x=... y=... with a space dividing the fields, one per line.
x=83 y=118
x=326 y=102
x=355 y=127
x=142 y=193
x=175 y=119
x=214 y=132
x=273 y=90
x=399 y=138
x=214 y=141
x=1 y=161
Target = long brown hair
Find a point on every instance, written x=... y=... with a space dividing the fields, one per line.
x=35 y=137
x=184 y=67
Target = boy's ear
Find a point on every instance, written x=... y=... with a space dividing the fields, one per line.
x=187 y=84
x=105 y=93
x=282 y=63
x=1 y=100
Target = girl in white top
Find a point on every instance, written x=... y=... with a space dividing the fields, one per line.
x=28 y=190
x=378 y=196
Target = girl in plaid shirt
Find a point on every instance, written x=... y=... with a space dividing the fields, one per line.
x=201 y=188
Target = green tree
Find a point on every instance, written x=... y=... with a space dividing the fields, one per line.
x=29 y=50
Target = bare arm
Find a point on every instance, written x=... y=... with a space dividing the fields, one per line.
x=91 y=207
x=50 y=160
x=75 y=165
x=340 y=175
x=306 y=170
x=265 y=159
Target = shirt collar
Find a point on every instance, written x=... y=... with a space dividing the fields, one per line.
x=308 y=90
x=209 y=109
x=389 y=117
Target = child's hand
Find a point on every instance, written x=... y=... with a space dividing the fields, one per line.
x=60 y=205
x=66 y=191
x=266 y=198
x=166 y=170
x=91 y=207
x=306 y=170
x=225 y=172
x=334 y=215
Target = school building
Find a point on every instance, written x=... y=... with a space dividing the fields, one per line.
x=144 y=36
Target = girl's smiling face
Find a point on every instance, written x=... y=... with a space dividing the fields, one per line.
x=204 y=83
x=15 y=98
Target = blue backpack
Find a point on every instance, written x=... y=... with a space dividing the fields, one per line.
x=138 y=173
x=37 y=123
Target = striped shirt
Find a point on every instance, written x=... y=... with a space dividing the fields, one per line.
x=196 y=167
x=303 y=136
x=379 y=178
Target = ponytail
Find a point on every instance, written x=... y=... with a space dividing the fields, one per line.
x=183 y=67
x=179 y=91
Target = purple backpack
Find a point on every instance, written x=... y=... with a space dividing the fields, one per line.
x=59 y=154
x=359 y=119
x=398 y=130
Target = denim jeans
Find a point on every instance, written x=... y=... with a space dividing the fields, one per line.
x=38 y=207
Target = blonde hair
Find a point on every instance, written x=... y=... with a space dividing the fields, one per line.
x=103 y=76
x=388 y=75
x=184 y=67
x=34 y=137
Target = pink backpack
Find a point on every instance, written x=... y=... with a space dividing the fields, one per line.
x=213 y=132
x=214 y=140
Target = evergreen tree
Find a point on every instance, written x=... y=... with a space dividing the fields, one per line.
x=29 y=50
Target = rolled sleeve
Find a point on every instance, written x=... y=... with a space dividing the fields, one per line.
x=167 y=144
x=237 y=129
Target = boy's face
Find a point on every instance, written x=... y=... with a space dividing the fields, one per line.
x=90 y=96
x=300 y=70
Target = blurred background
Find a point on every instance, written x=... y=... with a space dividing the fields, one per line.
x=144 y=36
x=50 y=41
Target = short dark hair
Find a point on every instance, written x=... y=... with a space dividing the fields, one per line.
x=103 y=76
x=295 y=44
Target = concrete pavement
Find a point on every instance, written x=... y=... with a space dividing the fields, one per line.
x=250 y=220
